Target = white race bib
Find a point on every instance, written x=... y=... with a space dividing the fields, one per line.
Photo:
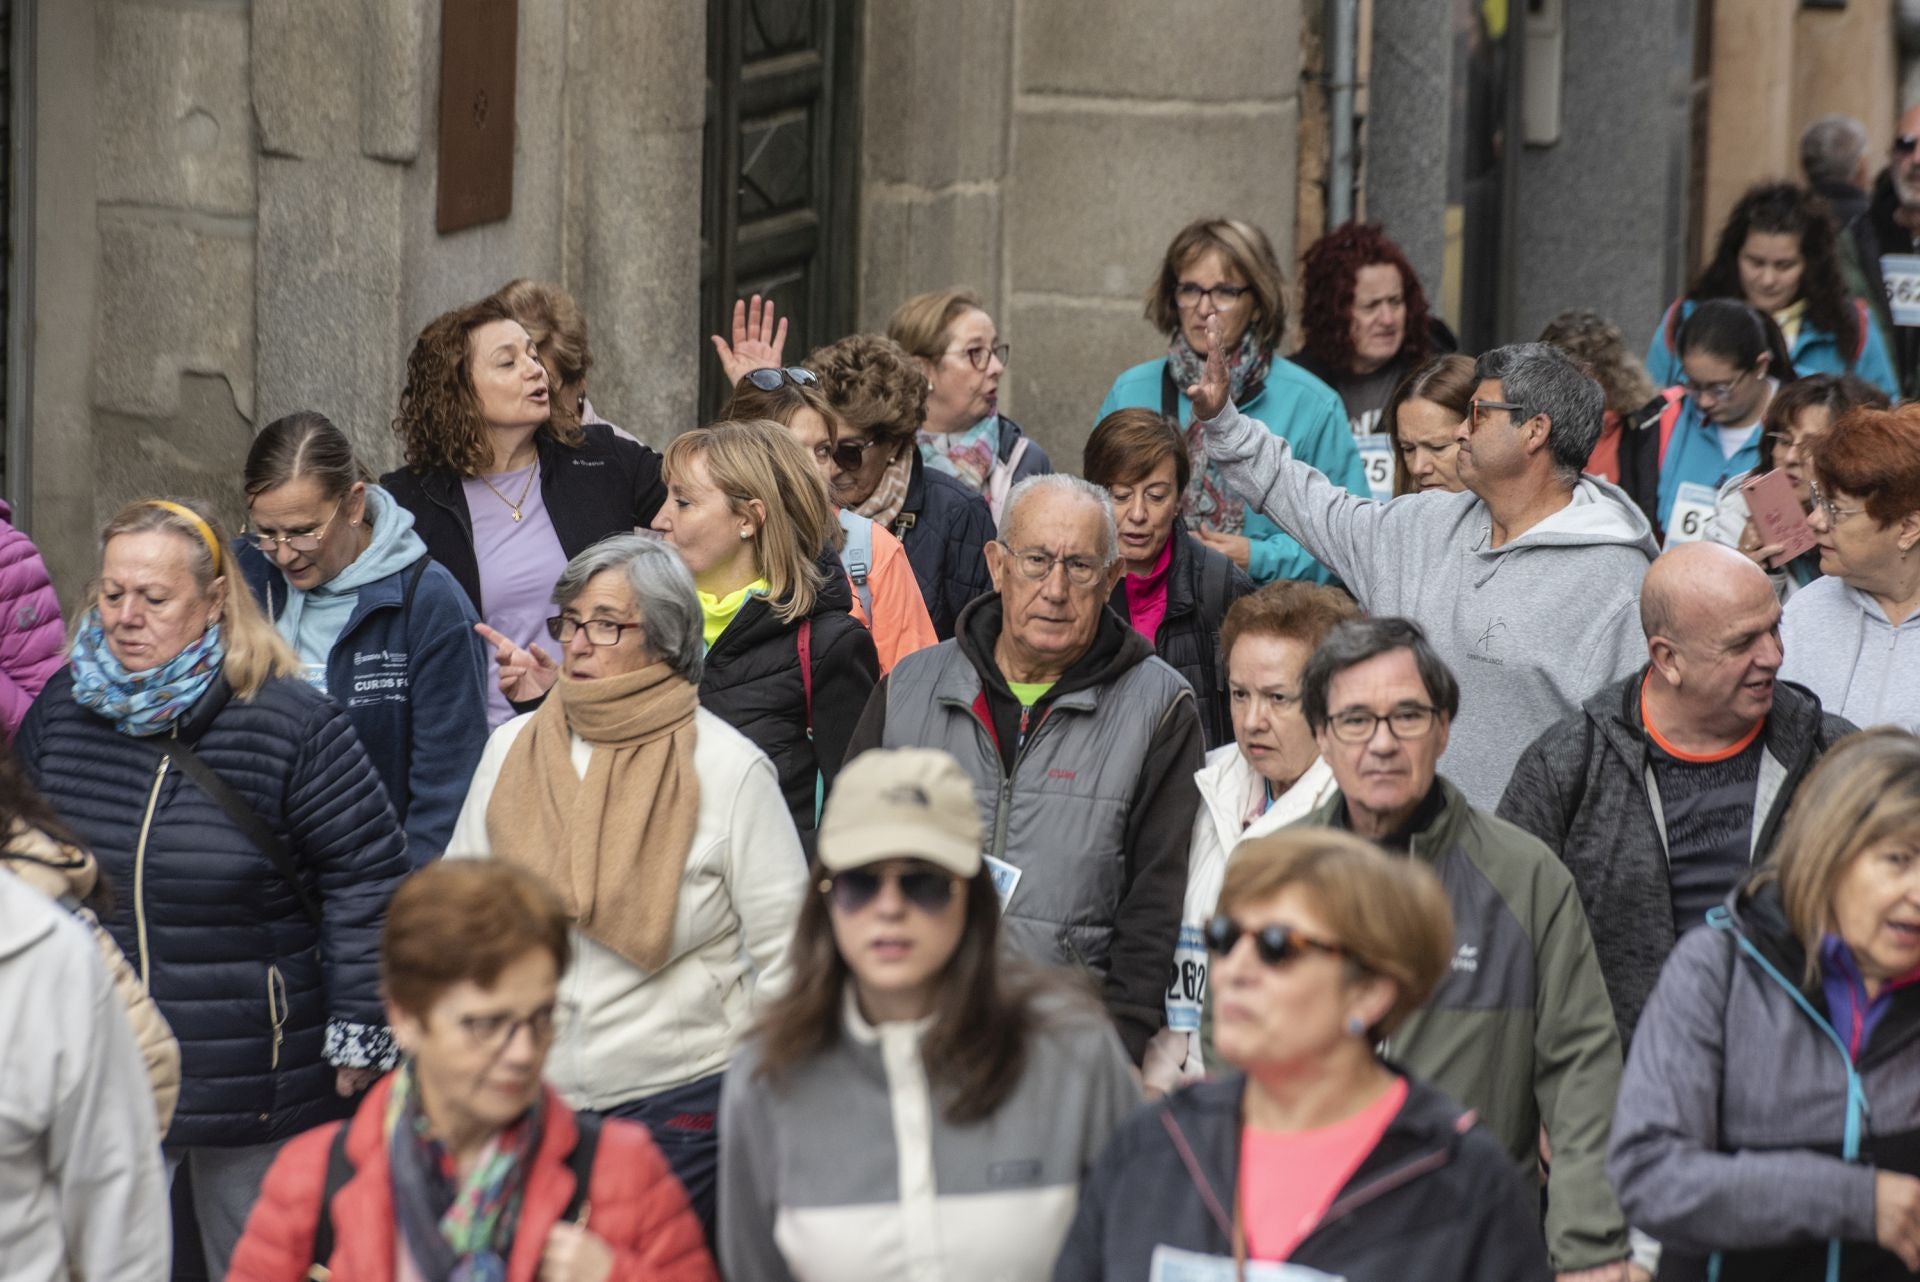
x=1171 y=1264
x=1005 y=878
x=1187 y=990
x=1376 y=455
x=1691 y=515
x=1901 y=272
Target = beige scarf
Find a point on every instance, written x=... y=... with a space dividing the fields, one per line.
x=883 y=505
x=612 y=845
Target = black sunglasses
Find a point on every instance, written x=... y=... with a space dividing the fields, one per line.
x=849 y=455
x=928 y=890
x=1276 y=945
x=769 y=380
x=1904 y=145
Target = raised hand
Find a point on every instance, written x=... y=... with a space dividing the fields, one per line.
x=1209 y=395
x=525 y=675
x=757 y=340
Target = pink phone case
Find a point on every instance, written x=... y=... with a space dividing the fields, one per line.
x=1777 y=516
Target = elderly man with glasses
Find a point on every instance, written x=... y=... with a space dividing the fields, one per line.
x=1520 y=1031
x=1528 y=581
x=1081 y=744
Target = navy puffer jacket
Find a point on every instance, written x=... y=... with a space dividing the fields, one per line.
x=945 y=528
x=262 y=1008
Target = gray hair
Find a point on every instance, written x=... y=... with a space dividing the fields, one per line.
x=1072 y=488
x=662 y=589
x=1352 y=643
x=1542 y=379
x=1831 y=148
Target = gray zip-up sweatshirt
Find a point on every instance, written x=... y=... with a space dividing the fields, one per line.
x=1530 y=628
x=1840 y=645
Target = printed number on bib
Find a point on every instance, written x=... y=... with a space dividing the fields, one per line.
x=1902 y=275
x=1692 y=513
x=1376 y=455
x=1187 y=988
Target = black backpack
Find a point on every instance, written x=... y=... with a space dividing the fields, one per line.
x=340 y=1170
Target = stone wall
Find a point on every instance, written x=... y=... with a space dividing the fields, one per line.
x=1045 y=151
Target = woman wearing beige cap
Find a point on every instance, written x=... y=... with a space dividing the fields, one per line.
x=916 y=1106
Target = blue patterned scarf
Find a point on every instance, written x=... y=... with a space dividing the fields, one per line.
x=141 y=703
x=967 y=455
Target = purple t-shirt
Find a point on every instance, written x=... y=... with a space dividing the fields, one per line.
x=519 y=564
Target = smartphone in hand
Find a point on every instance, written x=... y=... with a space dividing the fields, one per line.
x=1777 y=516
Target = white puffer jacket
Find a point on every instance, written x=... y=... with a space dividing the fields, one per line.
x=624 y=1033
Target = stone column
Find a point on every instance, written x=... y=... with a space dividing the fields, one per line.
x=1409 y=123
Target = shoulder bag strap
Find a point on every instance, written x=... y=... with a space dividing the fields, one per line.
x=244 y=817
x=580 y=1162
x=339 y=1171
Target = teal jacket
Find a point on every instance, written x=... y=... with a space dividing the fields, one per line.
x=1294 y=405
x=1815 y=351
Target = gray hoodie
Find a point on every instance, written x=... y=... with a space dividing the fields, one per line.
x=1841 y=646
x=1530 y=628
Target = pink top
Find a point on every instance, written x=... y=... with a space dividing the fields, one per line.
x=1147 y=594
x=1288 y=1179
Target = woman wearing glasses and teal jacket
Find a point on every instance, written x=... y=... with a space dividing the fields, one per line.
x=1227 y=268
x=379 y=626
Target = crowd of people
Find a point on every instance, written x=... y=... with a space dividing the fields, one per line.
x=1396 y=812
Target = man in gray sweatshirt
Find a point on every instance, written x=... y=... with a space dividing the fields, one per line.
x=1528 y=583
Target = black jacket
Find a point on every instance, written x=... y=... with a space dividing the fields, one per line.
x=945 y=528
x=752 y=682
x=1875 y=233
x=1437 y=1199
x=1201 y=584
x=256 y=999
x=1584 y=788
x=604 y=486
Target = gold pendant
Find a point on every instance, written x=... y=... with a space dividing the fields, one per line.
x=516 y=514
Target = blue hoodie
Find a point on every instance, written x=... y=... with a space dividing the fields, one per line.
x=394 y=646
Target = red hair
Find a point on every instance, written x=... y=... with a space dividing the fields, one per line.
x=1874 y=456
x=1328 y=271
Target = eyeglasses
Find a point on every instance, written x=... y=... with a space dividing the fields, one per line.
x=1904 y=145
x=770 y=380
x=981 y=357
x=1473 y=411
x=926 y=889
x=600 y=632
x=1223 y=297
x=1718 y=391
x=1033 y=563
x=308 y=542
x=848 y=456
x=496 y=1032
x=1835 y=514
x=1276 y=945
x=1408 y=721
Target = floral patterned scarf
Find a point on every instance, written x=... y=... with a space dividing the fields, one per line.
x=1209 y=502
x=968 y=456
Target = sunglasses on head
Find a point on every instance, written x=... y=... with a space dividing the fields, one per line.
x=769 y=380
x=927 y=889
x=1275 y=945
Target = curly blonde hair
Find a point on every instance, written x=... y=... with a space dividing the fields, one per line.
x=439 y=423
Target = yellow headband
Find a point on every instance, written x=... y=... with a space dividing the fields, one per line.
x=200 y=526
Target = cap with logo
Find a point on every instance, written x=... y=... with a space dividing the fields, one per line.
x=901 y=803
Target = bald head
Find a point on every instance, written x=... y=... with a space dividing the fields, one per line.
x=1694 y=588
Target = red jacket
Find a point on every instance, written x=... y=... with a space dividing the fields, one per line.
x=634 y=1204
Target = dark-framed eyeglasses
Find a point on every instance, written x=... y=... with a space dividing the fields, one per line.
x=1408 y=721
x=981 y=357
x=1717 y=391
x=310 y=541
x=1835 y=513
x=600 y=632
x=1223 y=297
x=851 y=890
x=496 y=1032
x=1478 y=407
x=850 y=456
x=1037 y=564
x=771 y=380
x=1904 y=144
x=1276 y=945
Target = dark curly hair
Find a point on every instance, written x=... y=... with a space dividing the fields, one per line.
x=873 y=384
x=439 y=423
x=1787 y=209
x=1328 y=271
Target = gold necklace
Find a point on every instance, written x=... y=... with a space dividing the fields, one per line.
x=532 y=474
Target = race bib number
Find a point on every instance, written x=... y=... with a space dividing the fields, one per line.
x=1692 y=513
x=1171 y=1264
x=1376 y=455
x=1005 y=878
x=1187 y=990
x=1901 y=272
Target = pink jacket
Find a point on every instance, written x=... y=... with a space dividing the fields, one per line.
x=33 y=640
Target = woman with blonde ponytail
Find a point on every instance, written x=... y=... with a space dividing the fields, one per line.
x=246 y=837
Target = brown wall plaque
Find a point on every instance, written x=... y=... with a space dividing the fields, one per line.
x=479 y=43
